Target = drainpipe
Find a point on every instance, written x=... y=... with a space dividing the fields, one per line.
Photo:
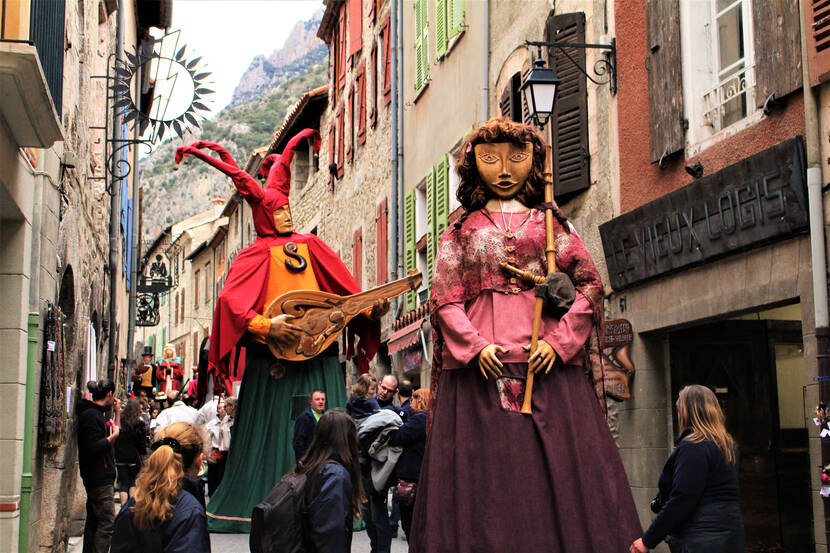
x=28 y=430
x=393 y=21
x=485 y=61
x=136 y=222
x=115 y=199
x=32 y=328
x=817 y=245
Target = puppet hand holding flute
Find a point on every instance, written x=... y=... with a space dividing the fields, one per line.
x=517 y=425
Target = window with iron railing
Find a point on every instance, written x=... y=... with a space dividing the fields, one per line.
x=41 y=23
x=719 y=69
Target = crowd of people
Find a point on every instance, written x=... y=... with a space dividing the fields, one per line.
x=355 y=461
x=390 y=425
x=121 y=445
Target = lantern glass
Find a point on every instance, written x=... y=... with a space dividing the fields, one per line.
x=543 y=97
x=540 y=91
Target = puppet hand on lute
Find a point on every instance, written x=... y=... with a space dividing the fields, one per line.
x=306 y=322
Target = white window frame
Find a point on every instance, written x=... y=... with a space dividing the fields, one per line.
x=699 y=48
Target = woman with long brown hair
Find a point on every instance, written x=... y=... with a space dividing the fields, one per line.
x=130 y=449
x=332 y=469
x=163 y=517
x=697 y=505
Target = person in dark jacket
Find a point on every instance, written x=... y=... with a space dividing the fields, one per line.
x=96 y=435
x=130 y=448
x=164 y=517
x=413 y=437
x=306 y=421
x=697 y=504
x=405 y=396
x=332 y=468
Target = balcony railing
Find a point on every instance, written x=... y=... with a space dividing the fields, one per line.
x=41 y=23
x=727 y=103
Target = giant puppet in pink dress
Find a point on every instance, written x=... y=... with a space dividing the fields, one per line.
x=496 y=480
x=279 y=261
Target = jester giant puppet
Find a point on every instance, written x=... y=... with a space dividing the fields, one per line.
x=279 y=261
x=495 y=479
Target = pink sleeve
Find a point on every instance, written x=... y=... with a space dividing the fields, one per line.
x=568 y=337
x=462 y=340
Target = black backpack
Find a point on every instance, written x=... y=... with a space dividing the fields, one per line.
x=279 y=524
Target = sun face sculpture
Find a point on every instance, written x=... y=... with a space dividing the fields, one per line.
x=179 y=89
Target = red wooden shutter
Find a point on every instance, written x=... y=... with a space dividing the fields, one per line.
x=331 y=143
x=382 y=245
x=333 y=71
x=361 y=97
x=342 y=47
x=350 y=116
x=373 y=72
x=355 y=26
x=817 y=25
x=357 y=257
x=387 y=63
x=341 y=141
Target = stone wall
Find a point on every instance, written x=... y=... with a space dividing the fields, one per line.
x=79 y=258
x=336 y=213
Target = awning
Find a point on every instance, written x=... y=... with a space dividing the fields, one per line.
x=405 y=337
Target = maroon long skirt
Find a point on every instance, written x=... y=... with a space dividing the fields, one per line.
x=496 y=481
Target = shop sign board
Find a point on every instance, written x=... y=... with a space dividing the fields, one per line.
x=760 y=199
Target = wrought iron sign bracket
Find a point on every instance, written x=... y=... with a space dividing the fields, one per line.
x=605 y=68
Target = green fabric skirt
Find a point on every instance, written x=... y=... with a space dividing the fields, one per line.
x=260 y=451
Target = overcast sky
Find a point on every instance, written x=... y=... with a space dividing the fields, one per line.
x=229 y=33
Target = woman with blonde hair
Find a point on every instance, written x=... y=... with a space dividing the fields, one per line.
x=413 y=437
x=163 y=517
x=697 y=504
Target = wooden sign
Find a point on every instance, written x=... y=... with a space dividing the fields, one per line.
x=757 y=200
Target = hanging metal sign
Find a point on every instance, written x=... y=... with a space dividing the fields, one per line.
x=149 y=291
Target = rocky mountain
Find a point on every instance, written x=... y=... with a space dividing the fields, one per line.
x=261 y=101
x=301 y=48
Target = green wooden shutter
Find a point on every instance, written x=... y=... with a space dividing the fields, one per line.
x=425 y=40
x=419 y=46
x=456 y=17
x=442 y=197
x=431 y=240
x=441 y=28
x=409 y=244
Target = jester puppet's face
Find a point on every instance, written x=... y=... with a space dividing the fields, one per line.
x=504 y=167
x=282 y=220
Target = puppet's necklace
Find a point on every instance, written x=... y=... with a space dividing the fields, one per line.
x=506 y=228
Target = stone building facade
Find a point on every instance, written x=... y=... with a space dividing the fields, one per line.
x=55 y=215
x=721 y=293
x=345 y=198
x=184 y=321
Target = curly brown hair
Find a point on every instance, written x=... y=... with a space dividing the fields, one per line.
x=472 y=194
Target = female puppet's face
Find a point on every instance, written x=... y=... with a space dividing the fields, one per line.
x=282 y=220
x=504 y=167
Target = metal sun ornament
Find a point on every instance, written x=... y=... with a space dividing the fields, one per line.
x=158 y=120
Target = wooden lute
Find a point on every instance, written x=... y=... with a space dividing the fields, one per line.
x=322 y=316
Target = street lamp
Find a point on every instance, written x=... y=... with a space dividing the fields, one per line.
x=540 y=91
x=541 y=84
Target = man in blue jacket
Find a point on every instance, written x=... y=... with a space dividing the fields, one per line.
x=306 y=421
